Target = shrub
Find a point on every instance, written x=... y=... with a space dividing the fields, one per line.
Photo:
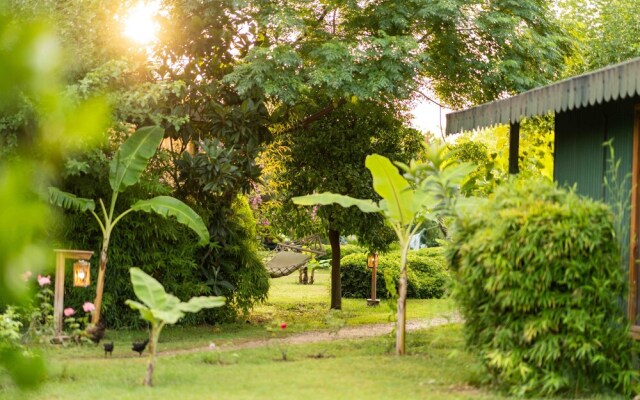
x=427 y=274
x=345 y=250
x=166 y=250
x=538 y=283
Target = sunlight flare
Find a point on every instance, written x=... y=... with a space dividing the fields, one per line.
x=140 y=24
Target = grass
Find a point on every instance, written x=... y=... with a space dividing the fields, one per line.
x=436 y=367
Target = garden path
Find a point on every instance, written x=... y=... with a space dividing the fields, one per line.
x=350 y=332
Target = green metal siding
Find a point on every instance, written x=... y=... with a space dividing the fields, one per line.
x=581 y=159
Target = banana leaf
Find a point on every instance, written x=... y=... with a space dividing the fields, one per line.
x=170 y=207
x=132 y=157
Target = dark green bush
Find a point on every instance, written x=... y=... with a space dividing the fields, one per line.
x=538 y=282
x=428 y=276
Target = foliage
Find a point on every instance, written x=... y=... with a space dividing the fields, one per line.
x=405 y=206
x=488 y=149
x=467 y=50
x=604 y=32
x=345 y=250
x=427 y=276
x=160 y=308
x=328 y=155
x=125 y=170
x=31 y=90
x=539 y=278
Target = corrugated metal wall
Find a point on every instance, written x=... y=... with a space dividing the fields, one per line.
x=581 y=159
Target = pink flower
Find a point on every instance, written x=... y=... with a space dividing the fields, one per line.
x=68 y=312
x=283 y=326
x=44 y=280
x=88 y=307
x=26 y=275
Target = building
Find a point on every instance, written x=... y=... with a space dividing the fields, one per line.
x=589 y=110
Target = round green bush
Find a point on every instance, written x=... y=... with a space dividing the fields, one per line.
x=539 y=281
x=427 y=275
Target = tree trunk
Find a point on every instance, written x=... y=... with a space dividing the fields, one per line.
x=95 y=317
x=402 y=301
x=153 y=342
x=336 y=284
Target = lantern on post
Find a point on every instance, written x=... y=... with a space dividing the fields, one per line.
x=372 y=262
x=81 y=273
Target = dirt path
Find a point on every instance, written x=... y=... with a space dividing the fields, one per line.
x=353 y=332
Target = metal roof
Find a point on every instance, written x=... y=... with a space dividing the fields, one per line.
x=610 y=83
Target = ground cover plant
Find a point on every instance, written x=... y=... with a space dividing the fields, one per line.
x=539 y=282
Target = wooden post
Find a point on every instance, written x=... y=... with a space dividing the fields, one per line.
x=514 y=147
x=58 y=297
x=58 y=294
x=374 y=278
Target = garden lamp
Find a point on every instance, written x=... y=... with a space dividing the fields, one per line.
x=372 y=262
x=81 y=273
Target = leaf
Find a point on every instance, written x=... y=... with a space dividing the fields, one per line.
x=170 y=207
x=169 y=316
x=132 y=157
x=145 y=312
x=393 y=187
x=331 y=198
x=149 y=290
x=198 y=303
x=70 y=201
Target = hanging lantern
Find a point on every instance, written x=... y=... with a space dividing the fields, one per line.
x=81 y=273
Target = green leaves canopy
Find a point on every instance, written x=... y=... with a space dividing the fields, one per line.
x=159 y=306
x=171 y=207
x=132 y=157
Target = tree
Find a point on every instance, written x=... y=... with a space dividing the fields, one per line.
x=466 y=51
x=604 y=32
x=427 y=191
x=328 y=155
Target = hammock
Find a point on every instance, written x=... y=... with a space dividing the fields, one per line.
x=289 y=257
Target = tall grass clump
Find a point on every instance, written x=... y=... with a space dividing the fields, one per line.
x=539 y=277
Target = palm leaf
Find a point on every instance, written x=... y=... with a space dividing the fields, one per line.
x=332 y=198
x=132 y=157
x=70 y=201
x=170 y=207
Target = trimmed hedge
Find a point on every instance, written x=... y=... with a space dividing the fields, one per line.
x=427 y=273
x=345 y=250
x=538 y=283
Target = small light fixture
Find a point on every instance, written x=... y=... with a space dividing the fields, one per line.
x=81 y=273
x=372 y=260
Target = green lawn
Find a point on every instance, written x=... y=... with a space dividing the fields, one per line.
x=436 y=367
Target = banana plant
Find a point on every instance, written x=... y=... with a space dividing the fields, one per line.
x=161 y=308
x=406 y=204
x=125 y=170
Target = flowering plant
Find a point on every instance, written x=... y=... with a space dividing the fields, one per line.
x=77 y=325
x=40 y=312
